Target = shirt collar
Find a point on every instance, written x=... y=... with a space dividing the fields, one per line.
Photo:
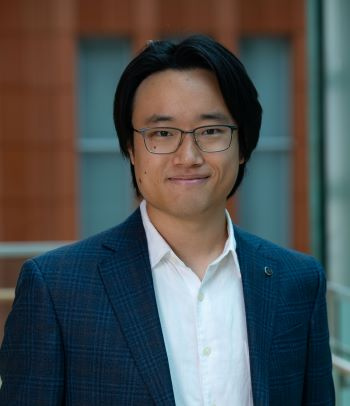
x=158 y=247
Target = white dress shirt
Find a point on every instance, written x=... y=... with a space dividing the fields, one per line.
x=203 y=324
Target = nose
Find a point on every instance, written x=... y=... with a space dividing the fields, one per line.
x=188 y=153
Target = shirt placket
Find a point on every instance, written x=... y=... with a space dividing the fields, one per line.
x=205 y=347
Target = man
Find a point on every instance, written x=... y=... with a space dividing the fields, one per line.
x=176 y=305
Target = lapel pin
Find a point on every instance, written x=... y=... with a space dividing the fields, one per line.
x=268 y=271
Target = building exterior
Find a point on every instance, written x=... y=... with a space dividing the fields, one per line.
x=60 y=64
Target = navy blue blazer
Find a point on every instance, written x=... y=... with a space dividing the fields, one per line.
x=84 y=328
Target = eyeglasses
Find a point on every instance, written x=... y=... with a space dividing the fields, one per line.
x=208 y=138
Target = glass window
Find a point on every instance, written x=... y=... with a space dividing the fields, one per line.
x=265 y=196
x=105 y=195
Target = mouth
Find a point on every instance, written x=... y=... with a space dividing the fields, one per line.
x=188 y=179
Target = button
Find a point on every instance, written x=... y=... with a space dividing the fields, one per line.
x=207 y=351
x=200 y=296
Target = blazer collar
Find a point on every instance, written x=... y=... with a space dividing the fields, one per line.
x=127 y=277
x=260 y=286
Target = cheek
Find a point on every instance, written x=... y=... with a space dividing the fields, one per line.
x=149 y=168
x=141 y=172
x=230 y=170
x=142 y=176
x=145 y=171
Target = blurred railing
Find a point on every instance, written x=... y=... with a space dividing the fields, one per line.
x=28 y=249
x=23 y=250
x=7 y=294
x=338 y=297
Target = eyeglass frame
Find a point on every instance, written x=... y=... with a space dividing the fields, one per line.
x=232 y=127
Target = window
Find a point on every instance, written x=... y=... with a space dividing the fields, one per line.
x=106 y=195
x=265 y=196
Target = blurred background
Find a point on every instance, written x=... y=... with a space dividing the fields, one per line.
x=62 y=176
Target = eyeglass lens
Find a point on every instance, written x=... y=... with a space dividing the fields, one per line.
x=208 y=138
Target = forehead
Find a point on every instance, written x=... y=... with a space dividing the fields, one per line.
x=179 y=93
x=173 y=79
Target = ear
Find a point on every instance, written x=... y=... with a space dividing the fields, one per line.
x=131 y=154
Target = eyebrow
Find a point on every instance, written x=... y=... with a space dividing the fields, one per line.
x=156 y=118
x=214 y=116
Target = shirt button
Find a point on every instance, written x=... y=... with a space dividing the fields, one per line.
x=200 y=296
x=207 y=351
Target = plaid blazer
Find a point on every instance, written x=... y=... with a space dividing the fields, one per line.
x=84 y=328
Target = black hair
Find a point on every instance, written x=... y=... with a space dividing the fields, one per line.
x=196 y=51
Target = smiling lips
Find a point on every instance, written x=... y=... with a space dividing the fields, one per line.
x=188 y=179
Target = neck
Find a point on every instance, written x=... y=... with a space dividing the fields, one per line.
x=197 y=241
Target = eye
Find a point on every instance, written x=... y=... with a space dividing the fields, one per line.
x=210 y=131
x=164 y=133
x=160 y=133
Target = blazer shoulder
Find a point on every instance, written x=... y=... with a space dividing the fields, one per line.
x=93 y=249
x=299 y=275
x=285 y=258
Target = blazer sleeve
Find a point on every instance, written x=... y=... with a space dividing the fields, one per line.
x=319 y=387
x=31 y=356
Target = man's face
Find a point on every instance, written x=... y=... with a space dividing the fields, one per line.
x=187 y=183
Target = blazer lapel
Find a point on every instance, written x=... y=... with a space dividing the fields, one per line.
x=260 y=284
x=129 y=285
